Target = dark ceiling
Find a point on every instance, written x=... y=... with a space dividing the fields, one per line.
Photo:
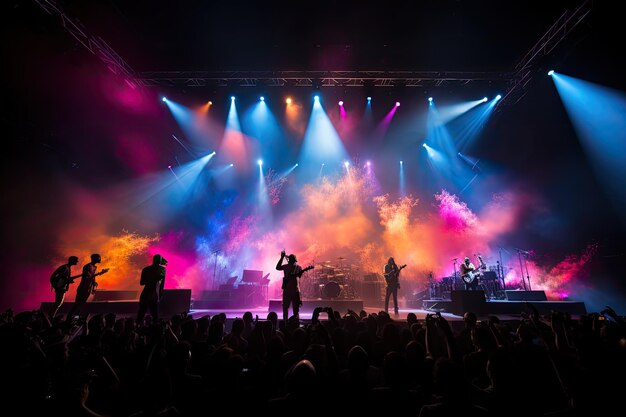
x=157 y=35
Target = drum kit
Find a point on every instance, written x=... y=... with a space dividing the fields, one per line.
x=489 y=281
x=332 y=280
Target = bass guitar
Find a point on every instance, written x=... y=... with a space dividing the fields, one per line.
x=295 y=276
x=470 y=276
x=63 y=284
x=392 y=277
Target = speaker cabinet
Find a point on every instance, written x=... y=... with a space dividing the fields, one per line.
x=175 y=302
x=513 y=295
x=463 y=301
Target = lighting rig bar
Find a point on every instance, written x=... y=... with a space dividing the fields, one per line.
x=316 y=78
x=94 y=44
x=526 y=67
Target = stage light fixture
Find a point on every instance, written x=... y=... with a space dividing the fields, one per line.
x=397 y=104
x=498 y=97
x=369 y=99
x=551 y=73
x=232 y=98
x=288 y=100
x=316 y=98
x=164 y=99
x=262 y=98
x=260 y=162
x=341 y=102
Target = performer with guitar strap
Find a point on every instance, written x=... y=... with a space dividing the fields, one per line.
x=60 y=280
x=291 y=288
x=87 y=284
x=391 y=272
x=470 y=274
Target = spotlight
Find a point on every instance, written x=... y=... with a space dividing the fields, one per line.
x=551 y=73
x=262 y=98
x=341 y=102
x=430 y=99
x=164 y=98
x=424 y=145
x=401 y=162
x=316 y=98
x=346 y=164
x=260 y=162
x=169 y=167
x=368 y=163
x=232 y=98
x=288 y=100
x=485 y=99
x=297 y=164
x=397 y=104
x=369 y=99
x=323 y=164
x=498 y=97
x=231 y=165
x=210 y=103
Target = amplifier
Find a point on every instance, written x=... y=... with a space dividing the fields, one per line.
x=489 y=276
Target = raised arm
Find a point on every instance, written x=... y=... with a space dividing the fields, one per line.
x=279 y=265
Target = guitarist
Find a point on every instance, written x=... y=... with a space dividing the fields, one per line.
x=60 y=280
x=291 y=290
x=391 y=272
x=87 y=285
x=467 y=269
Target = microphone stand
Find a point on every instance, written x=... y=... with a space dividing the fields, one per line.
x=527 y=274
x=454 y=265
x=501 y=270
x=215 y=266
x=522 y=254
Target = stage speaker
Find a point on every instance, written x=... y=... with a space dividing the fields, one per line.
x=175 y=302
x=463 y=301
x=371 y=291
x=114 y=295
x=513 y=295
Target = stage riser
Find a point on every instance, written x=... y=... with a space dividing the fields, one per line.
x=512 y=307
x=526 y=295
x=174 y=302
x=309 y=305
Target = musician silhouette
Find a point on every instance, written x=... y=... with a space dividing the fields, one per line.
x=60 y=280
x=153 y=281
x=291 y=288
x=391 y=272
x=469 y=274
x=87 y=285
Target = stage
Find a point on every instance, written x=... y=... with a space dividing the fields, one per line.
x=178 y=301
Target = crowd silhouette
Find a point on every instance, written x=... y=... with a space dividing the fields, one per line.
x=104 y=365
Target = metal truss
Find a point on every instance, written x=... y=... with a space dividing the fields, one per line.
x=525 y=68
x=316 y=78
x=517 y=80
x=94 y=44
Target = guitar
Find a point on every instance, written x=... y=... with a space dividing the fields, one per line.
x=470 y=276
x=62 y=284
x=296 y=275
x=392 y=277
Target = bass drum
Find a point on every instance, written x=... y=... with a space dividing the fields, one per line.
x=332 y=290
